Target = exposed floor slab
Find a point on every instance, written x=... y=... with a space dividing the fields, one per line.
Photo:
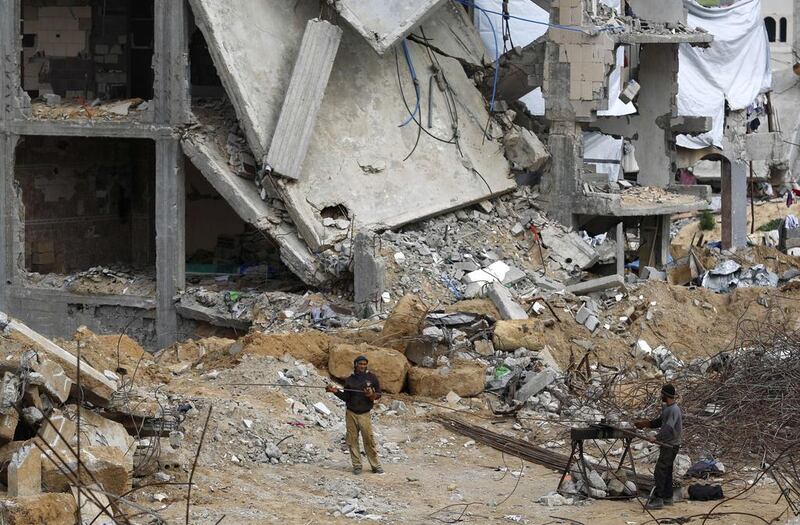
x=384 y=23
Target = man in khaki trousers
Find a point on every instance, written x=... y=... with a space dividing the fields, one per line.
x=361 y=390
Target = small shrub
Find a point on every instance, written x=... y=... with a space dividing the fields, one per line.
x=707 y=220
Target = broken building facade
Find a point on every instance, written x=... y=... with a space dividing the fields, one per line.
x=171 y=138
x=148 y=134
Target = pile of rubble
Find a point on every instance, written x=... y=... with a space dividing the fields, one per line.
x=52 y=108
x=64 y=449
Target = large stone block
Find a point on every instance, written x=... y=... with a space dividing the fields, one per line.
x=42 y=509
x=389 y=365
x=52 y=379
x=465 y=378
x=99 y=431
x=58 y=433
x=510 y=335
x=105 y=465
x=404 y=323
x=25 y=472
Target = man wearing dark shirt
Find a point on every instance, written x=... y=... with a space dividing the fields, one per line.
x=670 y=425
x=361 y=390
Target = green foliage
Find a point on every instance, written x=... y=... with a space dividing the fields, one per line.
x=774 y=224
x=707 y=221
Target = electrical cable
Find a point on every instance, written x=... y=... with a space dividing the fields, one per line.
x=469 y=3
x=413 y=73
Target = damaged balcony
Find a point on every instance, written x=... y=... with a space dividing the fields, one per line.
x=88 y=62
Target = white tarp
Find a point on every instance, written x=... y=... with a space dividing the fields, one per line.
x=734 y=68
x=522 y=34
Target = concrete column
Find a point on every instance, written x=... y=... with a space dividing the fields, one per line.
x=658 y=70
x=560 y=184
x=734 y=204
x=368 y=275
x=7 y=216
x=619 y=237
x=9 y=58
x=170 y=237
x=171 y=62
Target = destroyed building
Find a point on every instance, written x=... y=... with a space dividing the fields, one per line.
x=152 y=148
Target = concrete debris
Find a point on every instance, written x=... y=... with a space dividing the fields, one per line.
x=25 y=472
x=569 y=248
x=535 y=384
x=597 y=285
x=524 y=149
x=504 y=301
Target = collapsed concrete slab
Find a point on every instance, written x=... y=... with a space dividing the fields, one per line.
x=244 y=198
x=384 y=23
x=95 y=385
x=368 y=179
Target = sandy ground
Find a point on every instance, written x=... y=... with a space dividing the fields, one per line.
x=419 y=489
x=765 y=212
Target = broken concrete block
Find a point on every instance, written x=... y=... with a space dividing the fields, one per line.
x=548 y=284
x=546 y=356
x=42 y=509
x=388 y=364
x=89 y=512
x=652 y=274
x=535 y=384
x=513 y=334
x=474 y=290
x=569 y=248
x=513 y=275
x=50 y=376
x=582 y=314
x=524 y=149
x=404 y=323
x=98 y=431
x=505 y=303
x=592 y=323
x=517 y=229
x=51 y=99
x=303 y=99
x=597 y=285
x=58 y=433
x=484 y=347
x=417 y=351
x=8 y=424
x=629 y=93
x=25 y=472
x=465 y=378
x=96 y=386
x=9 y=390
x=105 y=465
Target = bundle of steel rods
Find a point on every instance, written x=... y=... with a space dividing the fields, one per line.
x=523 y=449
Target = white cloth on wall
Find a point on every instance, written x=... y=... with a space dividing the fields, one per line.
x=598 y=146
x=735 y=67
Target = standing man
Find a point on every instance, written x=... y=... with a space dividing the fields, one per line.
x=361 y=390
x=670 y=425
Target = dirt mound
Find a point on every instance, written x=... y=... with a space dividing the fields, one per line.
x=117 y=353
x=312 y=347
